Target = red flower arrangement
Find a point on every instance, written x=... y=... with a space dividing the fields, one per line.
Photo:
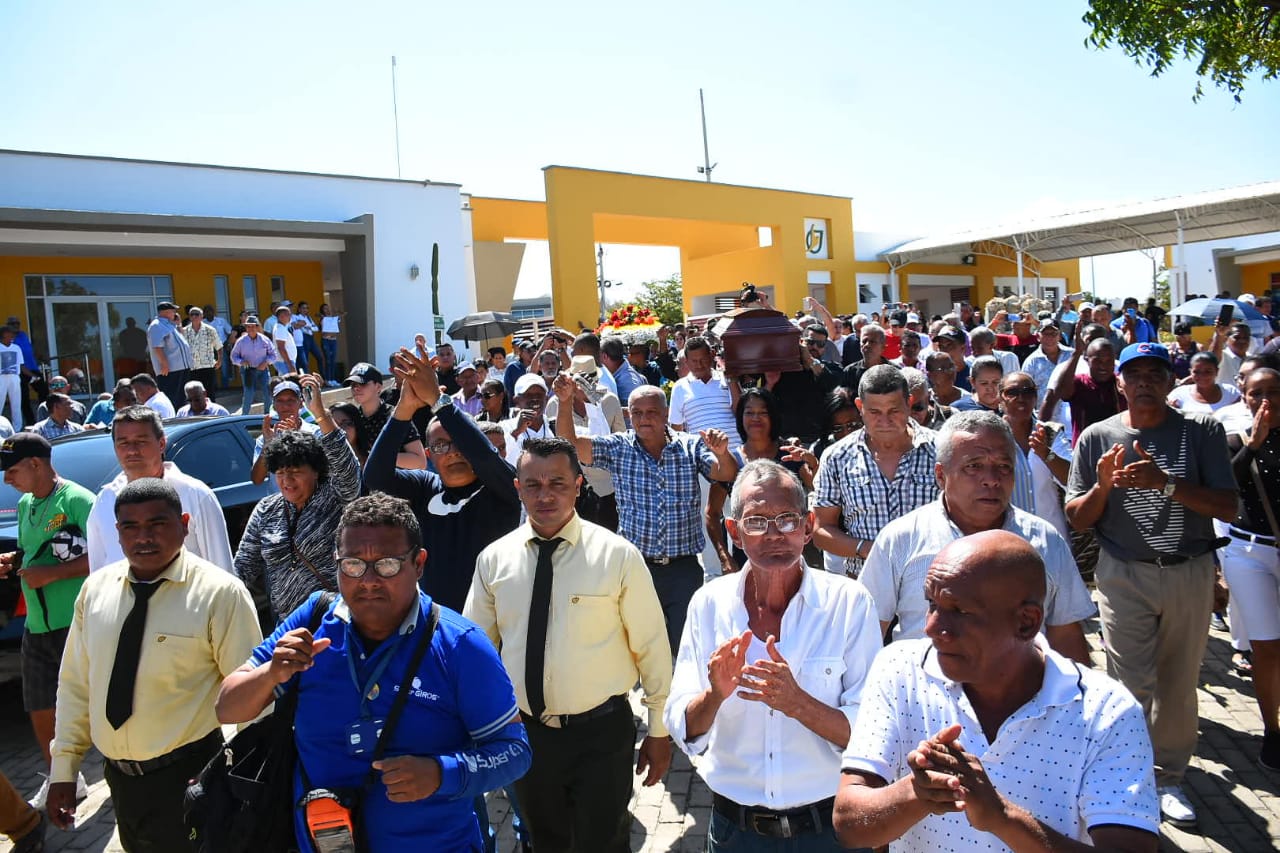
x=629 y=319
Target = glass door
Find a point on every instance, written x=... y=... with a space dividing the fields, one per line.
x=126 y=341
x=95 y=342
x=75 y=344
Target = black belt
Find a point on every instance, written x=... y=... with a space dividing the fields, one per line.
x=789 y=823
x=1163 y=560
x=206 y=744
x=564 y=721
x=665 y=561
x=1256 y=538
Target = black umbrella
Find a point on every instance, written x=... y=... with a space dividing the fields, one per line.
x=482 y=326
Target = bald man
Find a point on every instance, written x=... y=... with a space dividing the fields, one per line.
x=979 y=734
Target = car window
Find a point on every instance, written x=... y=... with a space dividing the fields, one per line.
x=215 y=456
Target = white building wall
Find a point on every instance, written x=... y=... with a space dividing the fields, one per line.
x=1198 y=258
x=408 y=217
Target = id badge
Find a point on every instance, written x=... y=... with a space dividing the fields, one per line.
x=362 y=736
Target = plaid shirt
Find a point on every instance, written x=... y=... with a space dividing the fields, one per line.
x=51 y=429
x=659 y=501
x=849 y=478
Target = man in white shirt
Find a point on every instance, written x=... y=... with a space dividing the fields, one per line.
x=305 y=328
x=704 y=398
x=530 y=415
x=982 y=738
x=11 y=375
x=149 y=395
x=769 y=717
x=139 y=441
x=975 y=468
x=282 y=335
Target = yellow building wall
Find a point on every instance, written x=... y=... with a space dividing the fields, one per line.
x=192 y=278
x=718 y=273
x=702 y=219
x=1256 y=278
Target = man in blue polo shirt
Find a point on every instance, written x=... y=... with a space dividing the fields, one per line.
x=460 y=734
x=170 y=353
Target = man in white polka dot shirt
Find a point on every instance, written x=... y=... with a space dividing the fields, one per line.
x=980 y=737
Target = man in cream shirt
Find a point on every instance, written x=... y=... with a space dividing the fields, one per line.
x=151 y=639
x=573 y=609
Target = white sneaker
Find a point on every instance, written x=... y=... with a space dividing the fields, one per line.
x=42 y=796
x=1175 y=807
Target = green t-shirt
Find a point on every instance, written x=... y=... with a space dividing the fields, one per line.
x=52 y=530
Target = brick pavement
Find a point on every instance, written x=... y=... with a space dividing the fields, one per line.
x=1238 y=803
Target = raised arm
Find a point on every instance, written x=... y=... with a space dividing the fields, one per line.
x=564 y=387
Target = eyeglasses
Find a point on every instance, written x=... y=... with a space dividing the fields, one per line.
x=757 y=525
x=489 y=395
x=948 y=368
x=841 y=429
x=1015 y=393
x=384 y=567
x=919 y=407
x=440 y=449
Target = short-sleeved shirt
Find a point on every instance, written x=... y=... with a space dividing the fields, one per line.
x=849 y=478
x=1092 y=402
x=204 y=345
x=659 y=502
x=698 y=405
x=10 y=359
x=1142 y=524
x=1076 y=756
x=53 y=530
x=165 y=336
x=281 y=333
x=895 y=569
x=1040 y=367
x=460 y=694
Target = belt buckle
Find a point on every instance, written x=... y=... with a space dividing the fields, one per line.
x=660 y=561
x=130 y=768
x=771 y=825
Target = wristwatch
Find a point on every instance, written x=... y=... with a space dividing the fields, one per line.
x=1170 y=485
x=445 y=400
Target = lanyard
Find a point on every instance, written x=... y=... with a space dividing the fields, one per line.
x=370 y=690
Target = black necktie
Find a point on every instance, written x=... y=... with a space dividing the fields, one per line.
x=535 y=650
x=124 y=672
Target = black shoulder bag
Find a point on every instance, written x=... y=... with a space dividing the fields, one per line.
x=242 y=801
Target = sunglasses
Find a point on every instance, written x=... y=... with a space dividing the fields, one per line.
x=1015 y=393
x=919 y=407
x=489 y=395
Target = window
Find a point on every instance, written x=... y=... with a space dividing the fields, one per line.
x=277 y=288
x=215 y=457
x=221 y=297
x=251 y=293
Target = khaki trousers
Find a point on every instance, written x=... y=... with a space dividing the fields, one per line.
x=1155 y=622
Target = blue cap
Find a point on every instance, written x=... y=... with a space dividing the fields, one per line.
x=1146 y=349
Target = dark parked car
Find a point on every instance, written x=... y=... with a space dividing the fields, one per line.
x=218 y=451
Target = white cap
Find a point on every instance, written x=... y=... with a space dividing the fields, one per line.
x=1248 y=298
x=913 y=318
x=527 y=381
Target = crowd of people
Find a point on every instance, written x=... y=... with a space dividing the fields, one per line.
x=856 y=591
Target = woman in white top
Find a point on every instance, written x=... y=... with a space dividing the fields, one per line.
x=1204 y=393
x=329 y=343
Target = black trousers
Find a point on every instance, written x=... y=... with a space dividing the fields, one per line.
x=206 y=376
x=574 y=797
x=149 y=808
x=172 y=384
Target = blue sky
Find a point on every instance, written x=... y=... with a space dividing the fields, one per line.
x=931 y=115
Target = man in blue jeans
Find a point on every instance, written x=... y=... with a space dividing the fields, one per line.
x=253 y=354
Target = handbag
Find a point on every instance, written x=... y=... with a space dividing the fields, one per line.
x=1266 y=502
x=242 y=801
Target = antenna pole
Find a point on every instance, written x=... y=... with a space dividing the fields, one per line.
x=706 y=151
x=395 y=112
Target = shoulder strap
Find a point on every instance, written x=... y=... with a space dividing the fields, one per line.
x=1262 y=496
x=397 y=705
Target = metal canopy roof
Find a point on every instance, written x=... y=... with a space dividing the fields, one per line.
x=1212 y=215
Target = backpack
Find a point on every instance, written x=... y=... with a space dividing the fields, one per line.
x=242 y=801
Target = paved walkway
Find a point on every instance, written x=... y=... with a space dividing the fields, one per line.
x=1239 y=804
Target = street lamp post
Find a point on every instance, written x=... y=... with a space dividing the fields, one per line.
x=602 y=282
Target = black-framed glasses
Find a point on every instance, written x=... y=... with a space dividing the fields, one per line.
x=1015 y=393
x=757 y=525
x=383 y=567
x=440 y=449
x=489 y=395
x=842 y=429
x=919 y=407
